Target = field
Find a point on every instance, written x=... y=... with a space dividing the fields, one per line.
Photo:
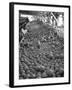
x=41 y=52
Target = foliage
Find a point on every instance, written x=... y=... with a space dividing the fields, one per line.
x=44 y=59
